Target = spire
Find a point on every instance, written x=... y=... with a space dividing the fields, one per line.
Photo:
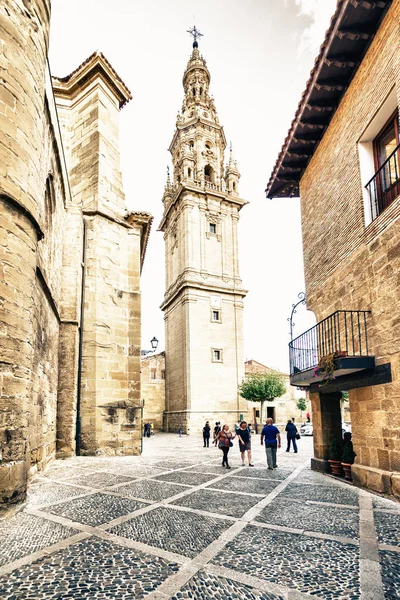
x=196 y=82
x=169 y=188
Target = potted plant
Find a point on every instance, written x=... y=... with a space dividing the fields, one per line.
x=335 y=460
x=348 y=455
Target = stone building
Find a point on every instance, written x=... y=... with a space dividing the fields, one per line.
x=70 y=257
x=342 y=157
x=281 y=409
x=203 y=301
x=153 y=389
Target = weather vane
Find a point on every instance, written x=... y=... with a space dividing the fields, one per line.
x=195 y=33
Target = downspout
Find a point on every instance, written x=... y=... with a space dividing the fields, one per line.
x=82 y=315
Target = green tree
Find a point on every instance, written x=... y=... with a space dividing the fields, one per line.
x=262 y=387
x=301 y=405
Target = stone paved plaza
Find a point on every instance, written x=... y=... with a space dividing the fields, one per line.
x=173 y=523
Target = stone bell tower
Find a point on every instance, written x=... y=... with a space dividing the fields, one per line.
x=203 y=302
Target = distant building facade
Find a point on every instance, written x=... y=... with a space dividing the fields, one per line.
x=203 y=303
x=342 y=156
x=280 y=409
x=153 y=389
x=71 y=256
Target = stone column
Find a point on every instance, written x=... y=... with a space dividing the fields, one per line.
x=327 y=424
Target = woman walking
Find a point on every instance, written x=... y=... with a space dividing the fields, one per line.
x=244 y=436
x=206 y=434
x=291 y=432
x=224 y=439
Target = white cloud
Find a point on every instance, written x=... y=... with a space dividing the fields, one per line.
x=319 y=12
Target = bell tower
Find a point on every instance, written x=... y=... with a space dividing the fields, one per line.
x=203 y=302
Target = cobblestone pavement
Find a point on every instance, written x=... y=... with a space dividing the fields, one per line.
x=160 y=526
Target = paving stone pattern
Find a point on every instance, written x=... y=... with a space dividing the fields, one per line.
x=390 y=569
x=149 y=489
x=385 y=503
x=264 y=473
x=96 y=509
x=317 y=493
x=24 y=534
x=173 y=530
x=387 y=527
x=233 y=505
x=93 y=568
x=186 y=478
x=99 y=480
x=324 y=568
x=203 y=585
x=249 y=562
x=312 y=517
x=48 y=493
x=248 y=485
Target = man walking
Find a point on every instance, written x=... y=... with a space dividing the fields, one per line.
x=272 y=442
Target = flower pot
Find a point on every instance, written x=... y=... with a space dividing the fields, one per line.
x=347 y=471
x=336 y=467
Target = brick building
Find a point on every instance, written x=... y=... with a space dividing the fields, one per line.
x=70 y=257
x=342 y=157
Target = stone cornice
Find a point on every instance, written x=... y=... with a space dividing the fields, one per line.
x=95 y=66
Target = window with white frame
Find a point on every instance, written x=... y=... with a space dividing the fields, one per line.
x=379 y=157
x=216 y=354
x=215 y=315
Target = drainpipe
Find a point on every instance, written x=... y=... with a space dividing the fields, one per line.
x=82 y=314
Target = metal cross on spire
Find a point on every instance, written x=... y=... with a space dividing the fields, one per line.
x=195 y=33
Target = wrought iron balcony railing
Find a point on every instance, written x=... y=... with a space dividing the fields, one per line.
x=384 y=187
x=343 y=334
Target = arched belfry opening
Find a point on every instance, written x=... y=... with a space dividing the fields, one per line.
x=209 y=173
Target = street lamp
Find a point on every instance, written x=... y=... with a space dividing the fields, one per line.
x=154 y=343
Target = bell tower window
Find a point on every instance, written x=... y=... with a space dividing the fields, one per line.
x=208 y=173
x=189 y=172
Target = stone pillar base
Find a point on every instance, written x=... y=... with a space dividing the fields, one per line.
x=375 y=479
x=13 y=482
x=320 y=465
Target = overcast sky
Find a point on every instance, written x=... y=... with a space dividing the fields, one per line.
x=259 y=53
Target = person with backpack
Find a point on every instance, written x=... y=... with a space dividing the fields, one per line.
x=291 y=433
x=224 y=439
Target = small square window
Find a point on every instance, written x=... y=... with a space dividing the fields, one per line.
x=216 y=355
x=212 y=228
x=216 y=316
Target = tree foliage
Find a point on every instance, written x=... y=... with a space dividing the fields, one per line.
x=258 y=387
x=301 y=404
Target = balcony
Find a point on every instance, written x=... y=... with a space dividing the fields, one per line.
x=341 y=338
x=384 y=187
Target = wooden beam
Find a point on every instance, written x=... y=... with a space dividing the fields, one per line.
x=312 y=125
x=320 y=107
x=300 y=140
x=369 y=4
x=340 y=63
x=330 y=87
x=353 y=35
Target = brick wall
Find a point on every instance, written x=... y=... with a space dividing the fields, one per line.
x=349 y=265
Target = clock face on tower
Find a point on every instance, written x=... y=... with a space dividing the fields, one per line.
x=216 y=301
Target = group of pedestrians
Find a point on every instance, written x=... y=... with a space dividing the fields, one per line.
x=270 y=437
